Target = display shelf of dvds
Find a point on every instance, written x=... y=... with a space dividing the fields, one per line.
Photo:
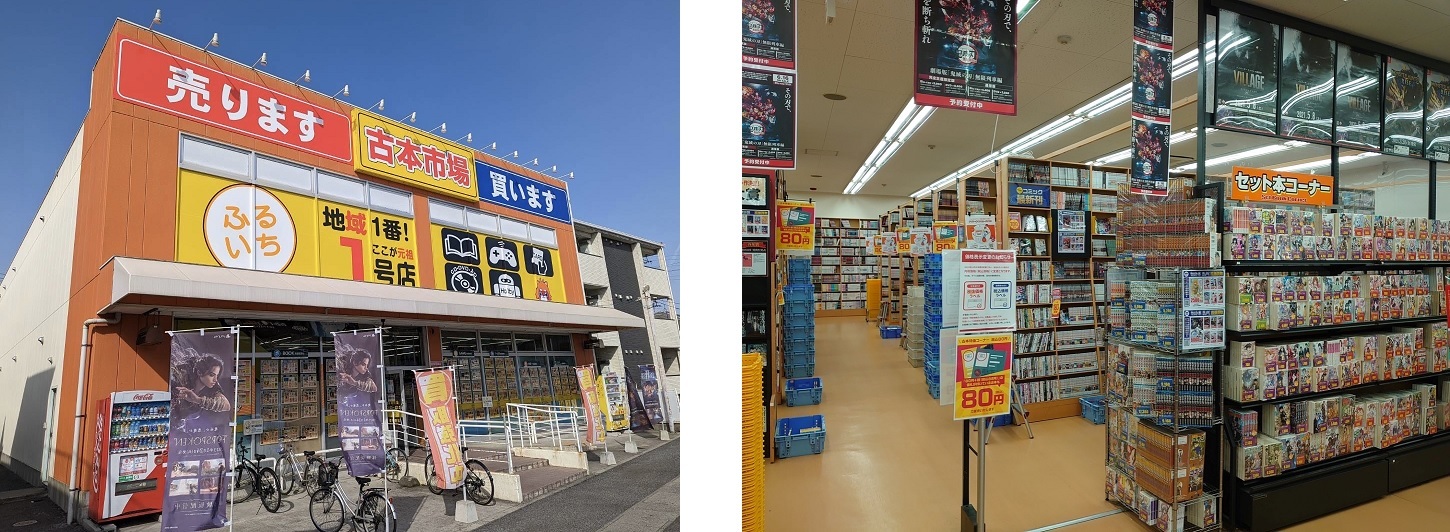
x=842 y=263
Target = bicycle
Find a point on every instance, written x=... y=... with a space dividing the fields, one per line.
x=252 y=479
x=396 y=465
x=330 y=510
x=290 y=476
x=477 y=481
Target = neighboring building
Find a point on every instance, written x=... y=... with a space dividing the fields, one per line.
x=616 y=268
x=189 y=199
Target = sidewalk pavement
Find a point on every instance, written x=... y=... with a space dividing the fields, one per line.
x=420 y=510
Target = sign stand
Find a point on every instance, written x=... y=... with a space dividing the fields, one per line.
x=974 y=517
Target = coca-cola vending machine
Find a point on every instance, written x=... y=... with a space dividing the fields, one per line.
x=129 y=453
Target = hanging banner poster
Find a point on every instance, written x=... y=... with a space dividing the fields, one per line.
x=966 y=55
x=440 y=421
x=589 y=398
x=877 y=241
x=888 y=243
x=1404 y=129
x=795 y=223
x=984 y=376
x=199 y=446
x=649 y=384
x=1437 y=116
x=767 y=33
x=944 y=236
x=920 y=241
x=1357 y=99
x=359 y=394
x=1152 y=97
x=1150 y=158
x=903 y=241
x=1306 y=86
x=767 y=119
x=1246 y=78
x=1271 y=186
x=989 y=288
x=979 y=231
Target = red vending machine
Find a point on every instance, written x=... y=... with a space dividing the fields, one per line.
x=129 y=453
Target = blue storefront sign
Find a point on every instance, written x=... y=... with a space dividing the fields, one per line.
x=1026 y=195
x=502 y=187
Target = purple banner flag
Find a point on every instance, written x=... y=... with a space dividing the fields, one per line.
x=359 y=416
x=203 y=398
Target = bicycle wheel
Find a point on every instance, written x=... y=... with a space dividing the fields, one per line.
x=397 y=465
x=309 y=474
x=267 y=488
x=478 y=484
x=328 y=511
x=375 y=514
x=431 y=476
x=286 y=476
x=245 y=484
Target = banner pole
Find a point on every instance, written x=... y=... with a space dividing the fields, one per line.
x=236 y=360
x=383 y=412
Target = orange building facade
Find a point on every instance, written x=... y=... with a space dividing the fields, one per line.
x=202 y=193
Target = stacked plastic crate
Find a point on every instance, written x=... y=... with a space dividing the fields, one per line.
x=931 y=365
x=799 y=321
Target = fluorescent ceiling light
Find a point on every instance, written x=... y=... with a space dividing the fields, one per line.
x=1246 y=154
x=1127 y=152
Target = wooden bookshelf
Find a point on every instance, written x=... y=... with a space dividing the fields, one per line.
x=840 y=241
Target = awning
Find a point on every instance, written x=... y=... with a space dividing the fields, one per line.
x=139 y=285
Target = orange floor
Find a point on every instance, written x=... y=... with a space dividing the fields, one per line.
x=893 y=460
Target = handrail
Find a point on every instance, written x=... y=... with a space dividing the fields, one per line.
x=411 y=436
x=475 y=441
x=547 y=421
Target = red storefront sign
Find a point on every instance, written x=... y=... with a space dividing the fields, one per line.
x=152 y=78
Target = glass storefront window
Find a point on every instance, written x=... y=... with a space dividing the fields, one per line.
x=559 y=343
x=403 y=347
x=566 y=382
x=534 y=381
x=495 y=342
x=455 y=341
x=528 y=343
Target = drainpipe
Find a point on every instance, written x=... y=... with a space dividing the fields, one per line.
x=82 y=372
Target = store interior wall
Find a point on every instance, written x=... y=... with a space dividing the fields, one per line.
x=34 y=305
x=830 y=205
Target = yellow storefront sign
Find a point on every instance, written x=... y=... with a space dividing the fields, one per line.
x=391 y=150
x=464 y=261
x=392 y=250
x=342 y=241
x=237 y=225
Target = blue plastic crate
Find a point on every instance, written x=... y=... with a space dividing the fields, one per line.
x=793 y=264
x=800 y=436
x=798 y=277
x=800 y=357
x=934 y=389
x=1094 y=409
x=890 y=331
x=797 y=371
x=800 y=308
x=800 y=329
x=800 y=345
x=805 y=391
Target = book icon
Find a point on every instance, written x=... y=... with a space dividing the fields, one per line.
x=460 y=247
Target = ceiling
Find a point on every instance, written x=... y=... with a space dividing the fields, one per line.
x=866 y=55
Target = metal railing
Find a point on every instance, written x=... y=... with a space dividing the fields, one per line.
x=555 y=425
x=485 y=439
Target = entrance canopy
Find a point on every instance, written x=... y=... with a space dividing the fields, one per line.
x=139 y=285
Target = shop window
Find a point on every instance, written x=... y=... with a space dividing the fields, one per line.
x=535 y=380
x=455 y=342
x=564 y=380
x=501 y=343
x=446 y=213
x=344 y=189
x=482 y=222
x=543 y=236
x=284 y=175
x=390 y=200
x=513 y=228
x=528 y=343
x=273 y=336
x=403 y=347
x=216 y=159
x=559 y=343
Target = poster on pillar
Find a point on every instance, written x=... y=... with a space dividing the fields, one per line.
x=199 y=445
x=221 y=222
x=589 y=398
x=439 y=409
x=649 y=384
x=966 y=55
x=1152 y=96
x=359 y=393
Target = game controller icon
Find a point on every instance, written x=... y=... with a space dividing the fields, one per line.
x=501 y=254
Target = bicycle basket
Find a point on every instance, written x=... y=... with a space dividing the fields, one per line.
x=327 y=474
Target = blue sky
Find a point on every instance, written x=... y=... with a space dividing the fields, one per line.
x=591 y=87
